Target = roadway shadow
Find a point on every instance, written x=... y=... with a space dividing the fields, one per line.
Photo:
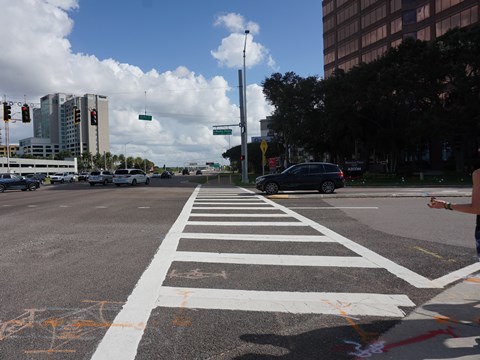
x=442 y=337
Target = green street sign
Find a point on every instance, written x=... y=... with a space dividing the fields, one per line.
x=222 y=132
x=145 y=117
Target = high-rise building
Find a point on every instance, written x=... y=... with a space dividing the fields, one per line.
x=356 y=31
x=55 y=120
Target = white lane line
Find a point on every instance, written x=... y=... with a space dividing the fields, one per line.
x=345 y=304
x=233 y=208
x=244 y=223
x=100 y=207
x=334 y=207
x=239 y=215
x=282 y=260
x=402 y=272
x=458 y=275
x=64 y=206
x=6 y=205
x=144 y=207
x=122 y=338
x=255 y=237
x=32 y=206
x=230 y=203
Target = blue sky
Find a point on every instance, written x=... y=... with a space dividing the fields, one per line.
x=184 y=54
x=164 y=34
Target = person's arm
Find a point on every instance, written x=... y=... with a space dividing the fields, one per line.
x=472 y=208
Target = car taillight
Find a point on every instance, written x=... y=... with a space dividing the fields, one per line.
x=341 y=173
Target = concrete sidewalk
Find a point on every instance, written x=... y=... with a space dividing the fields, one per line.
x=446 y=327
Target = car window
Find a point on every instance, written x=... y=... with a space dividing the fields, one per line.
x=95 y=173
x=299 y=170
x=106 y=173
x=121 y=172
x=331 y=168
x=316 y=169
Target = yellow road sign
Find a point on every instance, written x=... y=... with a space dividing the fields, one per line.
x=264 y=146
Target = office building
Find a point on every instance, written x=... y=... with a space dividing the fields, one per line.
x=55 y=121
x=356 y=31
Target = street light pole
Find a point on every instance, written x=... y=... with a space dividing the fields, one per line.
x=244 y=129
x=126 y=154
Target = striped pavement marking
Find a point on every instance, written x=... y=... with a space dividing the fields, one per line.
x=121 y=342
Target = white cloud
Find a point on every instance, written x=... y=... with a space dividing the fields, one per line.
x=230 y=51
x=184 y=105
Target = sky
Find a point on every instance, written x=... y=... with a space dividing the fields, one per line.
x=176 y=59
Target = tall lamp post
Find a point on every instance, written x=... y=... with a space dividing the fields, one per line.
x=244 y=129
x=126 y=153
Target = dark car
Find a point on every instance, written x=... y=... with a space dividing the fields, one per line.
x=185 y=172
x=15 y=181
x=40 y=177
x=166 y=175
x=324 y=177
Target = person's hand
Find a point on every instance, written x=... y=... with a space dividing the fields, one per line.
x=436 y=204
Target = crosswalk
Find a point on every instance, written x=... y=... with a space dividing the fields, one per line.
x=236 y=214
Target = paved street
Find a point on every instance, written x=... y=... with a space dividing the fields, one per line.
x=176 y=271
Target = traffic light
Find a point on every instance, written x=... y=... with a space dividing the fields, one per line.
x=25 y=113
x=242 y=157
x=93 y=117
x=7 y=112
x=76 y=115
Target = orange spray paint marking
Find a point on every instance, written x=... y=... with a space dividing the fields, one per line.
x=180 y=319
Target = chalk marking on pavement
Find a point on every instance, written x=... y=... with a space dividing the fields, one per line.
x=268 y=259
x=259 y=237
x=401 y=272
x=359 y=304
x=121 y=343
x=457 y=275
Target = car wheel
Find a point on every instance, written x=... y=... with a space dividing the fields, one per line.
x=105 y=182
x=134 y=182
x=118 y=185
x=32 y=187
x=92 y=184
x=2 y=188
x=327 y=187
x=271 y=188
x=62 y=181
x=147 y=182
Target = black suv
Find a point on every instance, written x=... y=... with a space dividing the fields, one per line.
x=324 y=177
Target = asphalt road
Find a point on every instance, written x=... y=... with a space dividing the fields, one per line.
x=77 y=261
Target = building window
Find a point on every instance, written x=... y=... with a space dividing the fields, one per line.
x=374 y=36
x=395 y=5
x=441 y=5
x=411 y=35
x=347 y=65
x=328 y=24
x=366 y=3
x=423 y=12
x=341 y=2
x=348 y=48
x=347 y=30
x=346 y=13
x=409 y=17
x=329 y=57
x=464 y=18
x=329 y=40
x=327 y=8
x=374 y=16
x=396 y=25
x=424 y=34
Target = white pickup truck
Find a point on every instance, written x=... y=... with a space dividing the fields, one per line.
x=62 y=177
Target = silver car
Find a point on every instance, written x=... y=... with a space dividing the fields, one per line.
x=130 y=177
x=100 y=177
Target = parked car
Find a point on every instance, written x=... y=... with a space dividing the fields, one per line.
x=324 y=177
x=62 y=177
x=198 y=172
x=100 y=177
x=156 y=175
x=40 y=177
x=130 y=177
x=83 y=176
x=185 y=172
x=15 y=181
